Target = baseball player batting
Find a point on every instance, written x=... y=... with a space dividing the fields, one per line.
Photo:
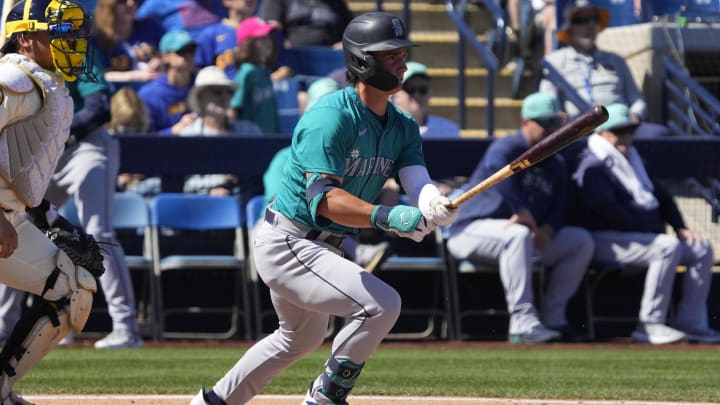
x=343 y=150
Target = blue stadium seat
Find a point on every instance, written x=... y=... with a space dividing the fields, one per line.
x=198 y=247
x=131 y=222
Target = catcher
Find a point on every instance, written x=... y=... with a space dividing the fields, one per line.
x=40 y=252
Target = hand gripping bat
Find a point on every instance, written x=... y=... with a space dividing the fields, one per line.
x=551 y=144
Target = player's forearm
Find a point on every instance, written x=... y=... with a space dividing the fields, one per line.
x=344 y=208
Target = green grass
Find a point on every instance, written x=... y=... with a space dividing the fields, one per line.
x=542 y=372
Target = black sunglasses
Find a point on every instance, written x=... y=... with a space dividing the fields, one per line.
x=419 y=90
x=584 y=20
x=549 y=122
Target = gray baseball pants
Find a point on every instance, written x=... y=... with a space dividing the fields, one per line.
x=309 y=280
x=566 y=258
x=661 y=254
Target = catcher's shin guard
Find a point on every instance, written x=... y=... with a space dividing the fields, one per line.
x=82 y=286
x=39 y=330
x=42 y=327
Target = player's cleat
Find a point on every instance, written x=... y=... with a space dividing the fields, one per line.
x=13 y=398
x=198 y=399
x=117 y=340
x=657 y=334
x=68 y=340
x=206 y=398
x=315 y=397
x=538 y=334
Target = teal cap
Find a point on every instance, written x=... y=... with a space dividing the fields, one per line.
x=618 y=117
x=175 y=40
x=539 y=105
x=413 y=69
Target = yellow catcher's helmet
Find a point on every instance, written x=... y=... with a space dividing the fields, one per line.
x=67 y=26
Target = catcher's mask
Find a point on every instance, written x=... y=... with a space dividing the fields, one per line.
x=68 y=28
x=373 y=32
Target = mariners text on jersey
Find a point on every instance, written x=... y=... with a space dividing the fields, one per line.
x=360 y=166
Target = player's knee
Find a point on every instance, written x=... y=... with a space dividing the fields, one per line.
x=667 y=245
x=517 y=236
x=388 y=305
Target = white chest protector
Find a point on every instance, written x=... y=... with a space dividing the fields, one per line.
x=35 y=116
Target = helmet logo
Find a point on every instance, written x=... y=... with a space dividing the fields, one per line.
x=398 y=27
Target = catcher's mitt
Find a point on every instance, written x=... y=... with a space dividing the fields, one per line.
x=82 y=248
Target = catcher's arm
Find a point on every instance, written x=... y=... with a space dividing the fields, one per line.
x=82 y=248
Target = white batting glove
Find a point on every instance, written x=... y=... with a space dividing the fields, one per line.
x=438 y=213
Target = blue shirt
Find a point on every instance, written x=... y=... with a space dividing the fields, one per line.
x=215 y=47
x=189 y=15
x=540 y=189
x=165 y=103
x=438 y=127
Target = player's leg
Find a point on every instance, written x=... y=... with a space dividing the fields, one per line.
x=691 y=316
x=661 y=254
x=89 y=173
x=299 y=332
x=567 y=255
x=11 y=306
x=511 y=247
x=64 y=299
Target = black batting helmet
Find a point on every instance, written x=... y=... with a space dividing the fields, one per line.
x=373 y=32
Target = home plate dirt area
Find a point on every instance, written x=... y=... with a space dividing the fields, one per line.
x=296 y=400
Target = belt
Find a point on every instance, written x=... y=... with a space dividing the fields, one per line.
x=332 y=239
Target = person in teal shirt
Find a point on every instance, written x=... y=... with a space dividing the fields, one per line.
x=256 y=53
x=343 y=150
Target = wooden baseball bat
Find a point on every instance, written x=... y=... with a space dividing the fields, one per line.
x=551 y=144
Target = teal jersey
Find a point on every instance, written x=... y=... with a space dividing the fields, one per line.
x=79 y=89
x=340 y=136
x=254 y=99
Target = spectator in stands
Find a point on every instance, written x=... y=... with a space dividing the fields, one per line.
x=599 y=77
x=186 y=15
x=530 y=19
x=308 y=22
x=210 y=100
x=532 y=24
x=414 y=99
x=165 y=97
x=627 y=212
x=128 y=47
x=216 y=42
x=129 y=116
x=256 y=54
x=86 y=173
x=522 y=219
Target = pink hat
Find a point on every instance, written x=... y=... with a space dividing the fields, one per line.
x=252 y=27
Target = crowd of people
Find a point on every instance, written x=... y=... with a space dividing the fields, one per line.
x=208 y=68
